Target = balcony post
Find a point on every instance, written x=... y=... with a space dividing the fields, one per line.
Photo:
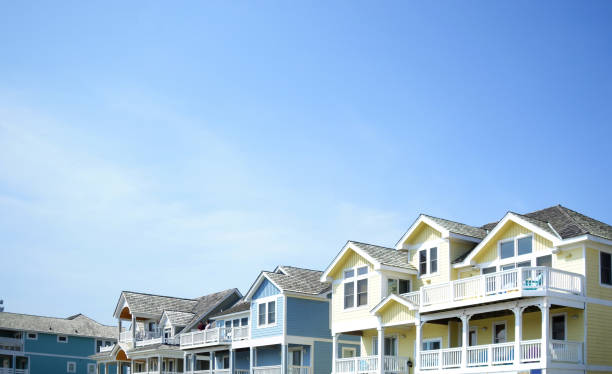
x=134 y=330
x=231 y=361
x=119 y=327
x=334 y=352
x=545 y=308
x=518 y=333
x=213 y=361
x=251 y=359
x=284 y=359
x=381 y=349
x=417 y=351
x=465 y=331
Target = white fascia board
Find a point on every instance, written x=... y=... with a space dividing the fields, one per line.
x=464 y=237
x=232 y=315
x=257 y=283
x=299 y=295
x=120 y=305
x=422 y=219
x=397 y=269
x=347 y=246
x=508 y=217
x=388 y=299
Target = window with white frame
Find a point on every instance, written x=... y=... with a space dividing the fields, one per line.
x=348 y=352
x=390 y=346
x=32 y=336
x=432 y=344
x=558 y=327
x=605 y=267
x=355 y=287
x=514 y=247
x=428 y=261
x=91 y=368
x=71 y=367
x=266 y=313
x=397 y=286
x=499 y=332
x=62 y=339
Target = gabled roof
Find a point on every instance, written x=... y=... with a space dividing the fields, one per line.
x=445 y=227
x=379 y=256
x=148 y=304
x=397 y=298
x=178 y=318
x=292 y=279
x=77 y=325
x=241 y=306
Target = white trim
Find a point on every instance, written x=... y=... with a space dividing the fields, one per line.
x=564 y=314
x=340 y=255
x=73 y=363
x=428 y=273
x=354 y=279
x=396 y=298
x=257 y=283
x=431 y=340
x=599 y=252
x=266 y=301
x=352 y=349
x=62 y=336
x=422 y=219
x=90 y=365
x=475 y=329
x=498 y=323
x=27 y=335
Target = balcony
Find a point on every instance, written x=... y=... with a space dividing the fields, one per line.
x=216 y=336
x=369 y=365
x=13 y=371
x=11 y=344
x=491 y=355
x=144 y=338
x=295 y=369
x=267 y=369
x=509 y=284
x=107 y=348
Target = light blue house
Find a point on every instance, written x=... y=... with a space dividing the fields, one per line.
x=281 y=326
x=46 y=345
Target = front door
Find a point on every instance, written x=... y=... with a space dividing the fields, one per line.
x=473 y=339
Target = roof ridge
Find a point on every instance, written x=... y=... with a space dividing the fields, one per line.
x=295 y=267
x=450 y=220
x=524 y=215
x=374 y=245
x=55 y=318
x=169 y=297
x=563 y=209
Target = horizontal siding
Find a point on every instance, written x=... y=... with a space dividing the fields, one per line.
x=308 y=318
x=264 y=332
x=489 y=252
x=594 y=289
x=570 y=260
x=599 y=334
x=268 y=356
x=322 y=357
x=47 y=343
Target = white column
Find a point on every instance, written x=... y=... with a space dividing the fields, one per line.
x=465 y=341
x=132 y=367
x=545 y=308
x=147 y=364
x=251 y=359
x=213 y=361
x=119 y=334
x=106 y=368
x=231 y=361
x=518 y=333
x=134 y=330
x=159 y=364
x=283 y=359
x=334 y=352
x=381 y=349
x=118 y=367
x=418 y=345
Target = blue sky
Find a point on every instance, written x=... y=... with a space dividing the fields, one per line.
x=181 y=148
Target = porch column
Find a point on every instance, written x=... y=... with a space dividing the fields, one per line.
x=465 y=341
x=381 y=349
x=334 y=352
x=119 y=334
x=159 y=364
x=118 y=367
x=418 y=339
x=147 y=364
x=14 y=363
x=132 y=367
x=251 y=359
x=283 y=358
x=231 y=361
x=213 y=361
x=106 y=368
x=545 y=308
x=518 y=333
x=134 y=329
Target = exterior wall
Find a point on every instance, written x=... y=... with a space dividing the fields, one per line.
x=47 y=355
x=274 y=330
x=599 y=333
x=241 y=359
x=424 y=233
x=356 y=346
x=594 y=289
x=268 y=356
x=395 y=313
x=266 y=288
x=456 y=249
x=444 y=271
x=306 y=317
x=490 y=252
x=322 y=358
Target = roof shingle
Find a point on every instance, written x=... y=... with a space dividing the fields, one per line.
x=77 y=325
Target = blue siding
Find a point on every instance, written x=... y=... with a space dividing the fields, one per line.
x=266 y=288
x=322 y=358
x=268 y=356
x=56 y=365
x=306 y=354
x=308 y=318
x=47 y=343
x=275 y=330
x=241 y=360
x=352 y=338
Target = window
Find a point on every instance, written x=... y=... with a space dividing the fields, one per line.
x=348 y=352
x=433 y=260
x=349 y=295
x=295 y=357
x=423 y=261
x=362 y=292
x=349 y=273
x=226 y=363
x=605 y=263
x=390 y=346
x=271 y=312
x=71 y=367
x=523 y=264
x=499 y=332
x=262 y=314
x=558 y=327
x=489 y=270
x=524 y=245
x=32 y=336
x=244 y=321
x=62 y=339
x=507 y=267
x=506 y=249
x=398 y=286
x=266 y=313
x=236 y=323
x=431 y=344
x=228 y=325
x=362 y=270
x=544 y=261
x=91 y=368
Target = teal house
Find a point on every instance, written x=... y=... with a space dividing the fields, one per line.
x=46 y=345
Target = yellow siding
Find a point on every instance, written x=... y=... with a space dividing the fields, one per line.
x=594 y=289
x=349 y=260
x=458 y=248
x=443 y=274
x=570 y=260
x=423 y=234
x=396 y=313
x=599 y=330
x=489 y=252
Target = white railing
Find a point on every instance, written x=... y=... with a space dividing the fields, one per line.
x=367 y=364
x=160 y=340
x=11 y=344
x=295 y=369
x=441 y=358
x=504 y=282
x=221 y=371
x=566 y=351
x=346 y=365
x=240 y=333
x=241 y=371
x=267 y=369
x=217 y=335
x=413 y=297
x=107 y=348
x=430 y=359
x=395 y=364
x=531 y=351
x=126 y=336
x=451 y=357
x=13 y=371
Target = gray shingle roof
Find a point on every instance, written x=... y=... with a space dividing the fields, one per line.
x=240 y=306
x=299 y=280
x=77 y=325
x=206 y=304
x=156 y=304
x=177 y=318
x=459 y=228
x=384 y=255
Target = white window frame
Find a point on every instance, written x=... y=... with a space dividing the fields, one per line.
x=266 y=301
x=349 y=349
x=599 y=268
x=432 y=340
x=475 y=329
x=354 y=279
x=427 y=250
x=515 y=257
x=35 y=335
x=62 y=336
x=564 y=314
x=296 y=349
x=91 y=366
x=375 y=344
x=68 y=367
x=498 y=323
x=398 y=280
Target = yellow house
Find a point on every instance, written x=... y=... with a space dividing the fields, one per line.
x=531 y=293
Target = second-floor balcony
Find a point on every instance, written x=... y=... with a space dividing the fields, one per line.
x=369 y=365
x=144 y=338
x=215 y=336
x=11 y=344
x=508 y=284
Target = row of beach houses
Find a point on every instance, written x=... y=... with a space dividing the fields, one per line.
x=530 y=293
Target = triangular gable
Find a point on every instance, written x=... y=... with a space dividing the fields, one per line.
x=255 y=286
x=509 y=217
x=422 y=220
x=346 y=251
x=390 y=299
